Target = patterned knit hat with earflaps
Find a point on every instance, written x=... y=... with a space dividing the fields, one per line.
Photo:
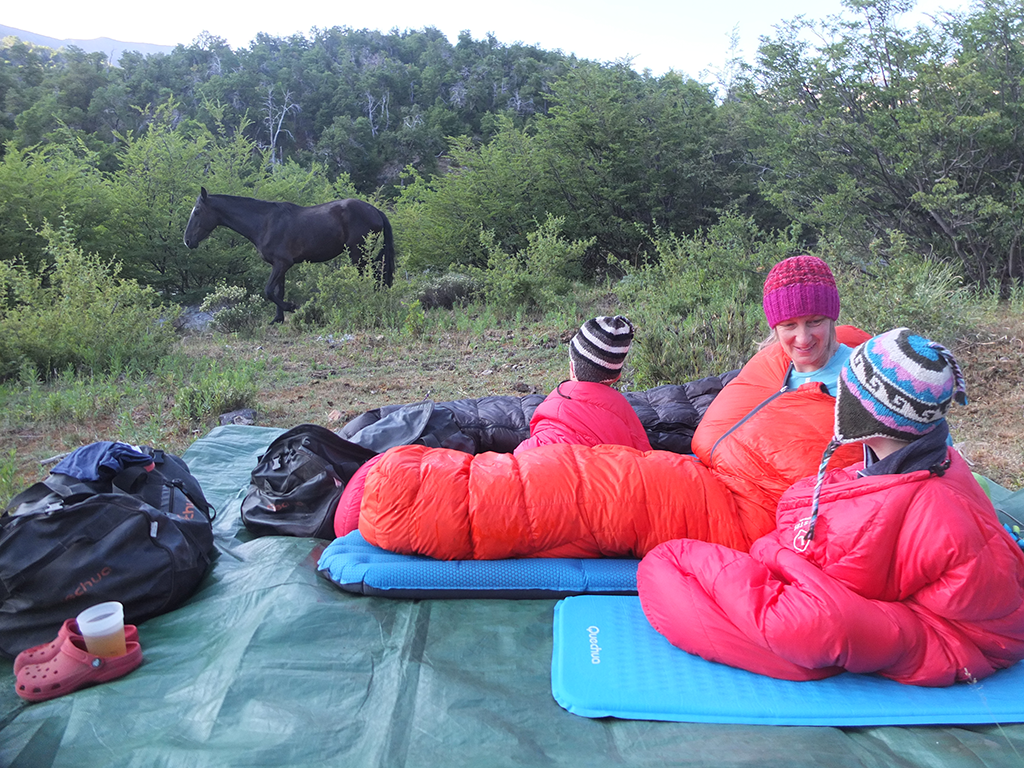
x=896 y=385
x=799 y=286
x=599 y=348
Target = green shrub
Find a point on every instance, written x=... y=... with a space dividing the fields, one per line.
x=908 y=291
x=535 y=279
x=74 y=398
x=415 y=319
x=234 y=310
x=78 y=313
x=214 y=391
x=373 y=244
x=343 y=298
x=697 y=306
x=708 y=341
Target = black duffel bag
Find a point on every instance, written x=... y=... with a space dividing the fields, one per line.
x=142 y=536
x=297 y=483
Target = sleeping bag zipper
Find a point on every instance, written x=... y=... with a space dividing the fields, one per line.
x=754 y=410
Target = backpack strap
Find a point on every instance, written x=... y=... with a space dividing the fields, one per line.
x=47 y=495
x=38 y=497
x=168 y=478
x=70 y=489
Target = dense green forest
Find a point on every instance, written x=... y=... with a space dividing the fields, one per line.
x=852 y=136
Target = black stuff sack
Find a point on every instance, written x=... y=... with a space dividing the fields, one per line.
x=297 y=483
x=128 y=524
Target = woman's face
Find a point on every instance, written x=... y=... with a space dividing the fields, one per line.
x=807 y=340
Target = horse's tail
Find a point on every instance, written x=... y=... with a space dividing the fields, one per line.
x=387 y=253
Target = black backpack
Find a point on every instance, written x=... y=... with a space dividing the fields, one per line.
x=297 y=483
x=138 y=533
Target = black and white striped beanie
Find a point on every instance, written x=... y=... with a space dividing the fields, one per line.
x=599 y=348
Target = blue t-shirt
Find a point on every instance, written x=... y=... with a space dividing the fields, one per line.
x=827 y=375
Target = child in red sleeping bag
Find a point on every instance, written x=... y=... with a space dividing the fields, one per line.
x=586 y=409
x=897 y=566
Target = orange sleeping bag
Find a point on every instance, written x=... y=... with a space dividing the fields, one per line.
x=759 y=441
x=610 y=500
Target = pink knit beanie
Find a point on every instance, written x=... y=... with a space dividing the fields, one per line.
x=798 y=286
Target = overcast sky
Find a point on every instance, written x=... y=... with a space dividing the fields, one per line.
x=691 y=37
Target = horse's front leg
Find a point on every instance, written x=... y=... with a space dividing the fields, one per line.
x=275 y=289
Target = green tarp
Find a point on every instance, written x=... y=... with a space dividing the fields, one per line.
x=271 y=665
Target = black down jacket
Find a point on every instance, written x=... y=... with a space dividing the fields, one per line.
x=669 y=413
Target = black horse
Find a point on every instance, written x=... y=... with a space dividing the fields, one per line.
x=287 y=234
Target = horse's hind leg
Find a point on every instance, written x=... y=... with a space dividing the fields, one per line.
x=275 y=290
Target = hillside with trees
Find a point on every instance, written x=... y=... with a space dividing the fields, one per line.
x=850 y=135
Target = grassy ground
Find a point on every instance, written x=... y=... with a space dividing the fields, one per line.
x=329 y=380
x=990 y=430
x=320 y=379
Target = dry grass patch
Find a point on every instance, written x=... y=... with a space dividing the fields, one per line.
x=990 y=430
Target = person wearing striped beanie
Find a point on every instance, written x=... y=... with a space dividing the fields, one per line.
x=598 y=350
x=898 y=566
x=586 y=410
x=897 y=385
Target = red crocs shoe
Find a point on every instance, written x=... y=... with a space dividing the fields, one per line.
x=40 y=654
x=71 y=669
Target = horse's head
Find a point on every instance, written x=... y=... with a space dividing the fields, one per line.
x=202 y=222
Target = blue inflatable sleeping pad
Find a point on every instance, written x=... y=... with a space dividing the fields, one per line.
x=357 y=566
x=609 y=662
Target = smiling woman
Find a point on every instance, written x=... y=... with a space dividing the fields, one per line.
x=801 y=305
x=809 y=340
